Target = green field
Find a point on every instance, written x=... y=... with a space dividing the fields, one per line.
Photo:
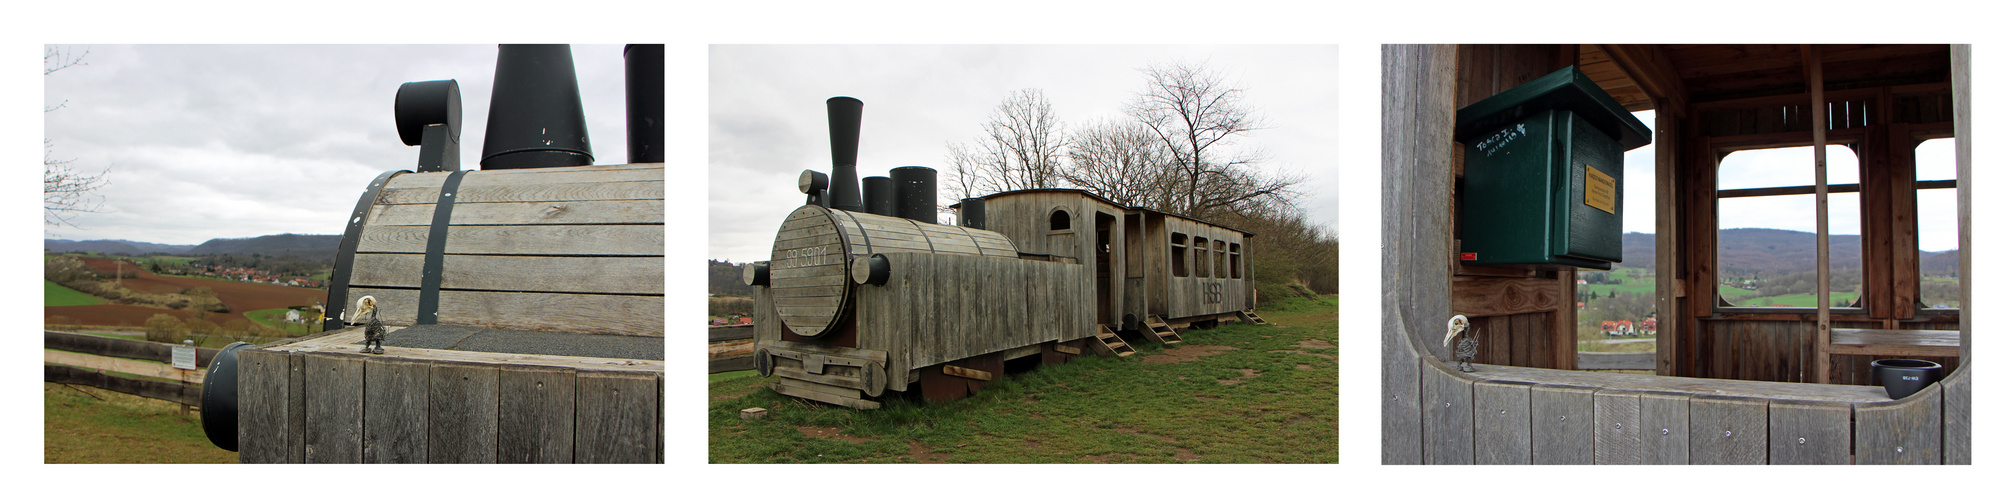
x=1796 y=300
x=1629 y=282
x=54 y=295
x=276 y=318
x=95 y=426
x=1234 y=394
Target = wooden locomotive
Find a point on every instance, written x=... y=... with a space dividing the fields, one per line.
x=865 y=294
x=524 y=301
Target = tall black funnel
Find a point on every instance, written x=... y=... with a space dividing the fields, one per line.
x=535 y=116
x=879 y=191
x=915 y=193
x=971 y=213
x=845 y=113
x=643 y=77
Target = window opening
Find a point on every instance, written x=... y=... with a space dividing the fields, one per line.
x=1935 y=219
x=1767 y=223
x=1179 y=253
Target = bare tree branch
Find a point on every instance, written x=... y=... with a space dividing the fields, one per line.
x=1022 y=148
x=65 y=191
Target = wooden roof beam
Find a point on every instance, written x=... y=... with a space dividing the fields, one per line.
x=1650 y=68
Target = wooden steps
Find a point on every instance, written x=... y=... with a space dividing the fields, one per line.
x=1107 y=343
x=1157 y=330
x=1250 y=316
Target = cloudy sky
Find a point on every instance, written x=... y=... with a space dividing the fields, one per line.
x=768 y=123
x=233 y=141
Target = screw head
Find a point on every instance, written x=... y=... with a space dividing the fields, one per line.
x=1448 y=405
x=1665 y=432
x=1728 y=433
x=1560 y=418
x=1801 y=440
x=1616 y=425
x=1901 y=449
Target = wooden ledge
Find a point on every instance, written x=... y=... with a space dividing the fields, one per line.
x=348 y=341
x=1924 y=343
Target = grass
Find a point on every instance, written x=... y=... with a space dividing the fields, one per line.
x=276 y=318
x=1796 y=300
x=54 y=295
x=1259 y=394
x=90 y=425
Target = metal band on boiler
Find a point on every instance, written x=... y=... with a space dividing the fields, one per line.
x=436 y=248
x=345 y=257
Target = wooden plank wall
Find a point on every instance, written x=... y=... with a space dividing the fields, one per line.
x=307 y=407
x=1783 y=350
x=1464 y=419
x=1417 y=110
x=576 y=249
x=939 y=308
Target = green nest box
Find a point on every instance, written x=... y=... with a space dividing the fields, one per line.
x=1544 y=174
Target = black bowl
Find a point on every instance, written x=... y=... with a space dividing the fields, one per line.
x=1903 y=377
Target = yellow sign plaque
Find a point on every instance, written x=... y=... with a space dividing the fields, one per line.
x=1599 y=189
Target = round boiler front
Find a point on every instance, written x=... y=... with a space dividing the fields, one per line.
x=810 y=269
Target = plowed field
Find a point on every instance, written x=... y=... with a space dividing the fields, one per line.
x=240 y=296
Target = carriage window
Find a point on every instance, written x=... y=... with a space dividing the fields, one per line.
x=1179 y=253
x=1201 y=257
x=1934 y=211
x=1766 y=228
x=1221 y=259
x=1058 y=221
x=1236 y=260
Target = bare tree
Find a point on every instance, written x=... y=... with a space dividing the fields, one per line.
x=1122 y=161
x=66 y=192
x=1022 y=148
x=1195 y=117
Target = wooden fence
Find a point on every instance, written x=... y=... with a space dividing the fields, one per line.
x=730 y=348
x=101 y=362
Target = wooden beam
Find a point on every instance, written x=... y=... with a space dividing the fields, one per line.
x=1668 y=237
x=1812 y=62
x=1651 y=70
x=968 y=373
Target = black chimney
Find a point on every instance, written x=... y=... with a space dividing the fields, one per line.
x=535 y=116
x=643 y=70
x=428 y=115
x=845 y=114
x=971 y=213
x=915 y=192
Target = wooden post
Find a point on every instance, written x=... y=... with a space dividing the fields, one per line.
x=1812 y=62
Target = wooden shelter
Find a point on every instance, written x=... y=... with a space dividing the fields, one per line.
x=1732 y=384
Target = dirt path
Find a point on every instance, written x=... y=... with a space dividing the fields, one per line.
x=240 y=296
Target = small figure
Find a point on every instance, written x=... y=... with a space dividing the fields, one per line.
x=1468 y=346
x=373 y=330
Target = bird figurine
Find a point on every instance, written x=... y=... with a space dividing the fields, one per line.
x=1468 y=346
x=373 y=330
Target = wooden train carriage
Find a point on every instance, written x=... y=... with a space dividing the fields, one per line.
x=1148 y=265
x=953 y=301
x=1732 y=384
x=527 y=326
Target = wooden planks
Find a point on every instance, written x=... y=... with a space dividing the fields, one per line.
x=637 y=315
x=462 y=413
x=1417 y=105
x=515 y=273
x=538 y=428
x=1561 y=425
x=1904 y=432
x=1616 y=428
x=618 y=417
x=270 y=412
x=1448 y=427
x=1477 y=296
x=528 y=213
x=1808 y=433
x=1728 y=431
x=395 y=402
x=638 y=240
x=333 y=392
x=1501 y=425
x=1955 y=419
x=1665 y=429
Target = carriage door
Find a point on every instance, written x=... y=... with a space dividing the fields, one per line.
x=1105 y=223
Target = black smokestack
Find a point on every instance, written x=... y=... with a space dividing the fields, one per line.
x=643 y=77
x=535 y=117
x=915 y=192
x=971 y=213
x=845 y=113
x=879 y=192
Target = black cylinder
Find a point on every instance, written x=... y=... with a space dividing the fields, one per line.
x=914 y=193
x=879 y=191
x=419 y=104
x=643 y=80
x=845 y=113
x=812 y=181
x=971 y=213
x=535 y=116
x=219 y=398
x=754 y=274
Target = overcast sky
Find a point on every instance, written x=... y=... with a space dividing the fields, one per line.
x=234 y=141
x=768 y=123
